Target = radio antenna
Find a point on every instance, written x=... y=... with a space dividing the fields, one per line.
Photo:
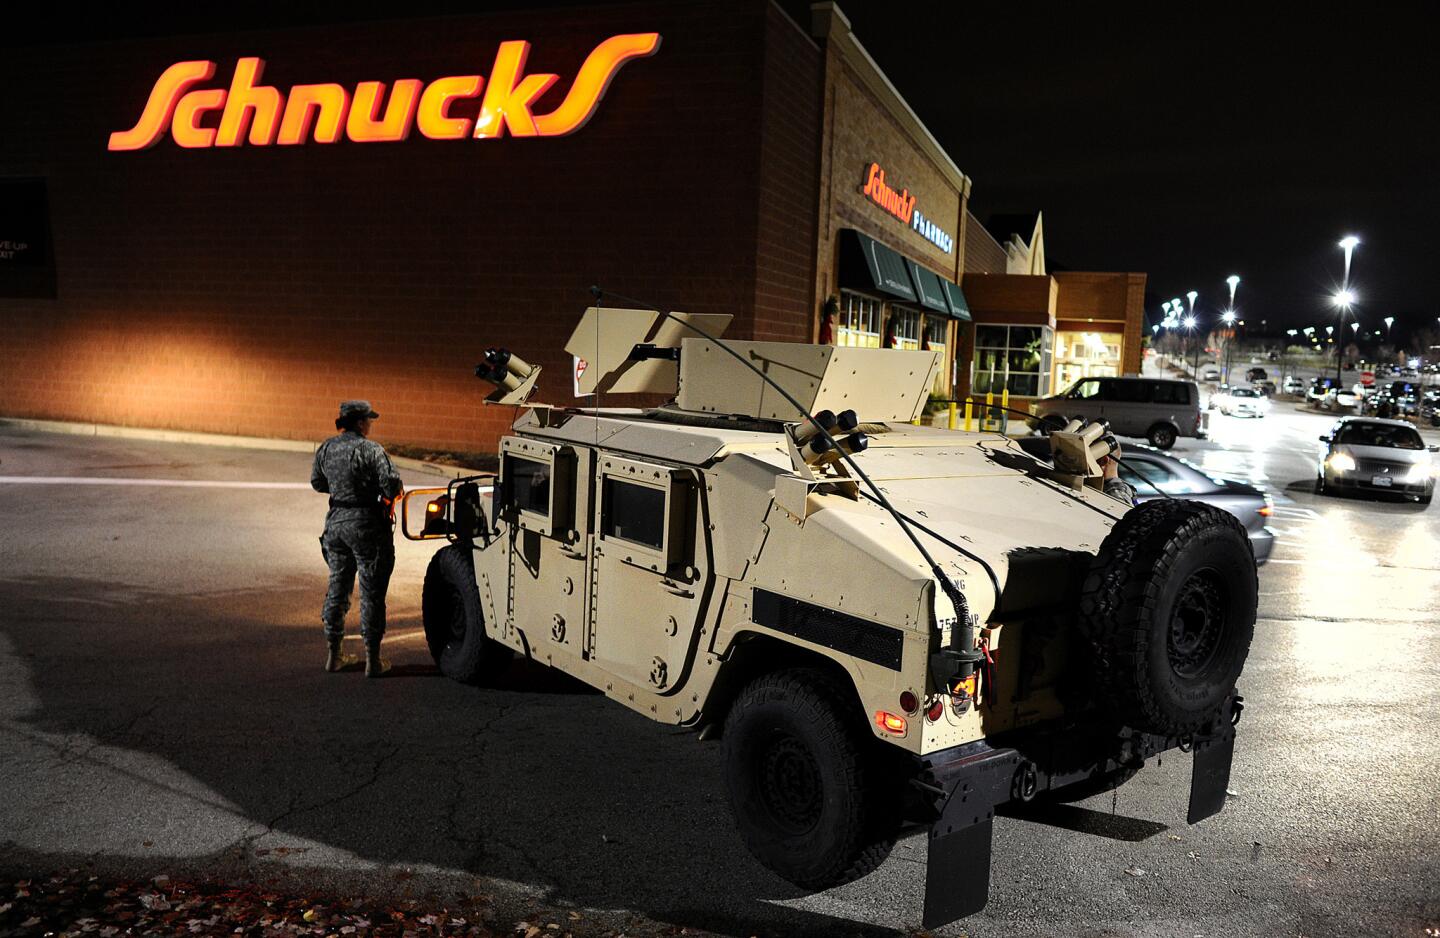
x=966 y=657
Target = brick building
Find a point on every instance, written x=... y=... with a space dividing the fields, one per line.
x=251 y=266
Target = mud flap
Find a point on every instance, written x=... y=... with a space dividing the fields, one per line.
x=957 y=870
x=957 y=873
x=1210 y=776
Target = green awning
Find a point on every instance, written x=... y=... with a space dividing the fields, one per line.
x=927 y=288
x=956 y=297
x=866 y=264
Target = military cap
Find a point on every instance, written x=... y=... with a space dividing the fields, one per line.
x=356 y=409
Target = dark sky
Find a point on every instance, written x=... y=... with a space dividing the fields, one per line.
x=1189 y=143
x=1214 y=140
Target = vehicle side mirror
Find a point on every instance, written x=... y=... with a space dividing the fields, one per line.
x=1325 y=439
x=425 y=514
x=1434 y=447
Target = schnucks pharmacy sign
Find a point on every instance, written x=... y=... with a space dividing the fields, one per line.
x=902 y=205
x=262 y=115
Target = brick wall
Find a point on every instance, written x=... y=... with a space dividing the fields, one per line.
x=983 y=254
x=860 y=131
x=1113 y=300
x=789 y=176
x=247 y=290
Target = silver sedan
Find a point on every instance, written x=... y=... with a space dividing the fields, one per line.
x=1155 y=474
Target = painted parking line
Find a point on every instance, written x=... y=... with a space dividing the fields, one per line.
x=176 y=483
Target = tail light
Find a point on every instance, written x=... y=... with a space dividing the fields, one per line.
x=936 y=711
x=890 y=722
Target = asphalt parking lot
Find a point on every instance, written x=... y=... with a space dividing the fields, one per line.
x=163 y=710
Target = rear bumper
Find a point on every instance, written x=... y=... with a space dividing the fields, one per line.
x=966 y=784
x=1262 y=542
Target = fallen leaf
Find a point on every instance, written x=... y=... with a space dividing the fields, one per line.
x=1134 y=871
x=311 y=915
x=30 y=922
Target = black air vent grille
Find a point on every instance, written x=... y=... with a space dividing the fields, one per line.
x=847 y=634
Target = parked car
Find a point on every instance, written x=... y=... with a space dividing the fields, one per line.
x=1209 y=373
x=1244 y=402
x=1217 y=397
x=1293 y=384
x=1340 y=397
x=1319 y=387
x=1256 y=374
x=1367 y=454
x=1154 y=474
x=1157 y=409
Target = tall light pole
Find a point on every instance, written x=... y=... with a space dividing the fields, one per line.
x=1229 y=319
x=1190 y=322
x=1345 y=298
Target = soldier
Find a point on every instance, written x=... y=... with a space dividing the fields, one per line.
x=359 y=534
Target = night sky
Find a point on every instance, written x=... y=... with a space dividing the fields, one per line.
x=1188 y=143
x=1215 y=140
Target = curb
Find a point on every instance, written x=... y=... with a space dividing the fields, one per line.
x=196 y=438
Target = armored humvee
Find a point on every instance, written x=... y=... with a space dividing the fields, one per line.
x=884 y=624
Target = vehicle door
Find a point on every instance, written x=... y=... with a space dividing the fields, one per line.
x=1085 y=400
x=651 y=581
x=544 y=495
x=1127 y=405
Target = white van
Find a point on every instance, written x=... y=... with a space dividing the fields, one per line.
x=1158 y=409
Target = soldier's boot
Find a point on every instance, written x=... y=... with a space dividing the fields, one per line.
x=335 y=659
x=374 y=664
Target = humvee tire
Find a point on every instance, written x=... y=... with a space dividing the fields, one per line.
x=1168 y=607
x=808 y=802
x=454 y=621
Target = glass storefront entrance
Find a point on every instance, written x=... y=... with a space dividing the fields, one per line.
x=1086 y=355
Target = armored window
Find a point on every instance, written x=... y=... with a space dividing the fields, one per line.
x=530 y=485
x=642 y=513
x=537 y=485
x=634 y=513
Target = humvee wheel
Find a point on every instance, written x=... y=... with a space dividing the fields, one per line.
x=454 y=621
x=807 y=801
x=1168 y=608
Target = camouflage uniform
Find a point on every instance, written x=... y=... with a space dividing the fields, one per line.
x=1119 y=488
x=358 y=533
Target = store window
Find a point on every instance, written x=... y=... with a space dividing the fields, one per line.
x=933 y=335
x=903 y=329
x=858 y=325
x=1086 y=355
x=1014 y=358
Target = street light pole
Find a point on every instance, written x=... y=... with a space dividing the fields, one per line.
x=1345 y=298
x=1190 y=322
x=1232 y=281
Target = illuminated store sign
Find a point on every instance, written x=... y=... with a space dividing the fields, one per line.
x=902 y=205
x=262 y=115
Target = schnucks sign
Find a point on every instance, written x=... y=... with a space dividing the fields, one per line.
x=902 y=205
x=262 y=115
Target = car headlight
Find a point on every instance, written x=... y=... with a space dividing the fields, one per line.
x=1342 y=462
x=1421 y=473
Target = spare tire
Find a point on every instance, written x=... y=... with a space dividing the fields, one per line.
x=1168 y=609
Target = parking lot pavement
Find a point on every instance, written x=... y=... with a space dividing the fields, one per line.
x=163 y=710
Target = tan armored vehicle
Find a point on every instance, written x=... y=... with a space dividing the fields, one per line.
x=884 y=624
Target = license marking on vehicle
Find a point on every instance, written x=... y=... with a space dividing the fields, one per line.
x=1382 y=481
